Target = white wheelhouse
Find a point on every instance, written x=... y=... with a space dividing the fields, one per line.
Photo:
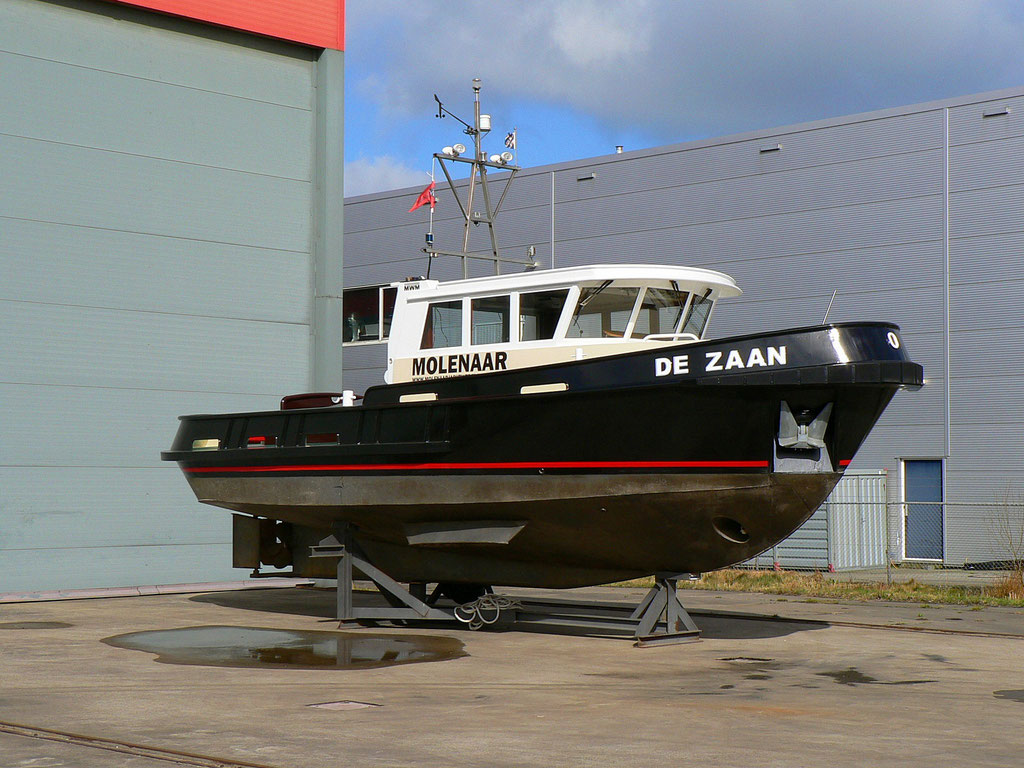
x=425 y=309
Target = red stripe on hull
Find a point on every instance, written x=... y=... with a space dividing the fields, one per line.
x=496 y=465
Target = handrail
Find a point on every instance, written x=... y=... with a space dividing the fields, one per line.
x=684 y=336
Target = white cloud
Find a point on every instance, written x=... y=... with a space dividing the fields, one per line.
x=685 y=68
x=595 y=34
x=375 y=174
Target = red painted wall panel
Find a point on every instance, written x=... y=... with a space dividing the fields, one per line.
x=314 y=22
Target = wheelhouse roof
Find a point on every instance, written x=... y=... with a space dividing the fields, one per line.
x=628 y=274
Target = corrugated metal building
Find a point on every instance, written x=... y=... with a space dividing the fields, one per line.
x=914 y=215
x=170 y=204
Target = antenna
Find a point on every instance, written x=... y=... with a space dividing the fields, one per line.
x=442 y=110
x=829 y=305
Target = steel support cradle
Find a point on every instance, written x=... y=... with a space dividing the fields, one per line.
x=659 y=619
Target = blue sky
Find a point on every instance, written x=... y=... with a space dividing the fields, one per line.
x=578 y=77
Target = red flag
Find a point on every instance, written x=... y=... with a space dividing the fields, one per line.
x=426 y=196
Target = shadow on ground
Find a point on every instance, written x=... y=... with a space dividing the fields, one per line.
x=320 y=603
x=740 y=628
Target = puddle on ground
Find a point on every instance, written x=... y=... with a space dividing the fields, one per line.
x=755 y=664
x=344 y=705
x=853 y=676
x=223 y=646
x=1012 y=695
x=35 y=625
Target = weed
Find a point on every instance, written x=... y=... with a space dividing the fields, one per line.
x=1009 y=592
x=1010 y=587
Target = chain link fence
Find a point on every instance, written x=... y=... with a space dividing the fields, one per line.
x=858 y=529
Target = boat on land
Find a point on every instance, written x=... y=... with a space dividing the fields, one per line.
x=558 y=428
x=552 y=428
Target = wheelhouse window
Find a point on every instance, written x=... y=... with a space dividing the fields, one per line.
x=700 y=310
x=443 y=327
x=660 y=312
x=539 y=313
x=368 y=313
x=387 y=305
x=489 y=319
x=602 y=312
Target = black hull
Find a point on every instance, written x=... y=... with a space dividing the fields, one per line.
x=627 y=473
x=576 y=530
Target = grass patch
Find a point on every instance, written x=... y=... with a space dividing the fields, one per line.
x=1008 y=592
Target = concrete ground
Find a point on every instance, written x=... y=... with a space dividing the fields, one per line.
x=847 y=684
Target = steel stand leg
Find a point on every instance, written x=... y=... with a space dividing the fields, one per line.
x=339 y=545
x=345 y=586
x=405 y=603
x=661 y=617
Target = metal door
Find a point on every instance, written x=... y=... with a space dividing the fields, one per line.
x=923 y=524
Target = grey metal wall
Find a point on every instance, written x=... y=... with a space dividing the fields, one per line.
x=915 y=215
x=155 y=198
x=986 y=325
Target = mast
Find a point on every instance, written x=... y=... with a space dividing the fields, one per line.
x=479 y=163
